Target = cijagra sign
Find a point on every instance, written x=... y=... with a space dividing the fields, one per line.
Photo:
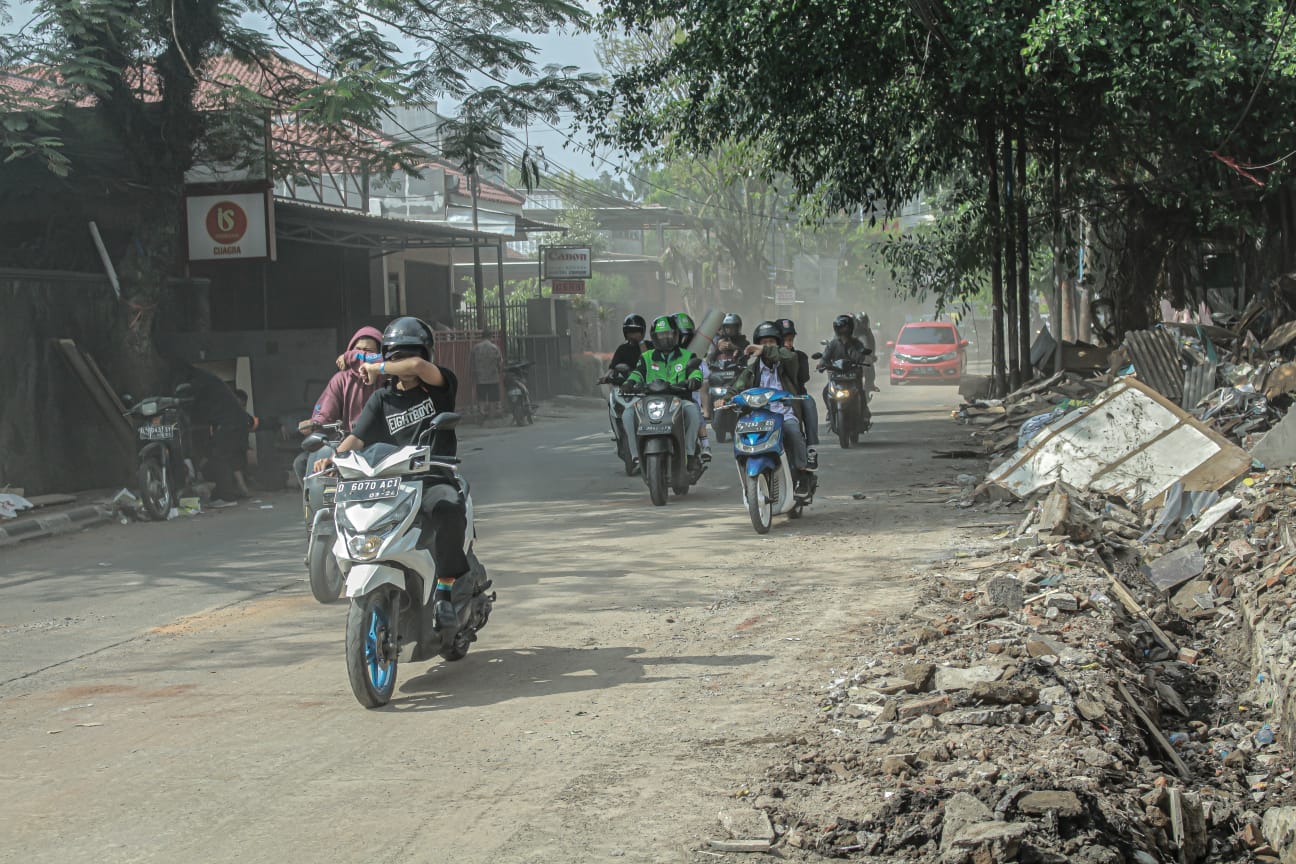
x=229 y=226
x=568 y=262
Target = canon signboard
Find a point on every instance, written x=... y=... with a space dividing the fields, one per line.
x=229 y=226
x=568 y=262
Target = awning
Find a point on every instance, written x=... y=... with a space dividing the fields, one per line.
x=333 y=226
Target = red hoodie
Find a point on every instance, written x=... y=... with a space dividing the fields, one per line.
x=346 y=393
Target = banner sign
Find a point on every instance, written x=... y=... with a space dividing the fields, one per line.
x=233 y=226
x=568 y=262
x=569 y=286
x=784 y=296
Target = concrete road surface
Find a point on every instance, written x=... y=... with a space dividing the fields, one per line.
x=171 y=692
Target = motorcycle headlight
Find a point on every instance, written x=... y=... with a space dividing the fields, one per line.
x=149 y=409
x=841 y=394
x=389 y=523
x=364 y=546
x=656 y=410
x=756 y=400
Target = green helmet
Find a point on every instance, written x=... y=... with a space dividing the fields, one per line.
x=665 y=333
x=686 y=327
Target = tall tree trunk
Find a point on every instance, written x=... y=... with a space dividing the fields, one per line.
x=1057 y=314
x=999 y=382
x=1009 y=242
x=479 y=288
x=1024 y=305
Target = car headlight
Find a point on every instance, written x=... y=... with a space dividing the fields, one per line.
x=364 y=546
x=656 y=410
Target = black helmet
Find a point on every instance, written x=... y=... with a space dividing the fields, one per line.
x=633 y=322
x=731 y=325
x=408 y=334
x=844 y=324
x=665 y=333
x=767 y=330
x=786 y=326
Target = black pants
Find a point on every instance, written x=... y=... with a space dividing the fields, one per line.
x=445 y=524
x=228 y=451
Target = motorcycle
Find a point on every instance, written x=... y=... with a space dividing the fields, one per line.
x=770 y=486
x=723 y=374
x=618 y=403
x=389 y=579
x=659 y=440
x=164 y=461
x=846 y=399
x=519 y=395
x=318 y=491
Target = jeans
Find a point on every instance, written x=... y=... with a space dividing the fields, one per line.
x=811 y=409
x=445 y=525
x=692 y=425
x=794 y=442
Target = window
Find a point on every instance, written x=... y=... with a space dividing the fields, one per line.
x=927 y=336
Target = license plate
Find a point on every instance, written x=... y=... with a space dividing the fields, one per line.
x=515 y=393
x=762 y=426
x=655 y=429
x=924 y=370
x=367 y=490
x=157 y=433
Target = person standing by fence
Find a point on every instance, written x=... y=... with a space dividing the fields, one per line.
x=486 y=364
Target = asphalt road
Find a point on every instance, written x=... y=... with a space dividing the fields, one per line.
x=170 y=692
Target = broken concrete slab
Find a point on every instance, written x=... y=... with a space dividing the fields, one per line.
x=1064 y=804
x=1279 y=828
x=932 y=706
x=949 y=678
x=1175 y=568
x=1005 y=693
x=962 y=811
x=1004 y=592
x=1277 y=449
x=1132 y=443
x=1212 y=517
x=747 y=824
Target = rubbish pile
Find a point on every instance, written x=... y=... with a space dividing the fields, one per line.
x=1116 y=680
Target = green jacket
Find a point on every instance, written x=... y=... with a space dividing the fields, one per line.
x=659 y=366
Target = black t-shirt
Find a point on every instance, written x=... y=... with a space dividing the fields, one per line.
x=395 y=416
x=627 y=353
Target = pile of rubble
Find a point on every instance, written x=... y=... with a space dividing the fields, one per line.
x=1115 y=681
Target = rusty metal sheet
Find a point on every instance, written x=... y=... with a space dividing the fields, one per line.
x=1155 y=355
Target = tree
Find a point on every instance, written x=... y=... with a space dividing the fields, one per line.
x=146 y=69
x=1155 y=107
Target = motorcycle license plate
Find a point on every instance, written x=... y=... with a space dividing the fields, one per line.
x=515 y=393
x=367 y=490
x=759 y=426
x=156 y=433
x=655 y=429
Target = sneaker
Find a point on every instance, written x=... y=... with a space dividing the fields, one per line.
x=706 y=456
x=694 y=464
x=444 y=615
x=812 y=459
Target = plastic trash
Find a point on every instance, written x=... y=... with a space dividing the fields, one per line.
x=1265 y=736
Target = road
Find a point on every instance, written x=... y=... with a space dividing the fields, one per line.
x=171 y=692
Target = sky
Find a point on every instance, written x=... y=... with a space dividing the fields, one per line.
x=553 y=48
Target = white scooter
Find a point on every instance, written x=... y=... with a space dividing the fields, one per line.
x=618 y=403
x=389 y=579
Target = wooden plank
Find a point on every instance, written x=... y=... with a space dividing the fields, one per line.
x=1180 y=768
x=1127 y=600
x=104 y=399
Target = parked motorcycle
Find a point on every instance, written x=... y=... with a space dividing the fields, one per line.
x=389 y=579
x=164 y=461
x=846 y=399
x=318 y=491
x=770 y=486
x=619 y=402
x=519 y=395
x=723 y=374
x=659 y=441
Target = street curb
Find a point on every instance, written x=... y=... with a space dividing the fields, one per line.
x=48 y=525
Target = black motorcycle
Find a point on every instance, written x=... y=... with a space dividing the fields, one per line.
x=164 y=461
x=517 y=392
x=845 y=399
x=660 y=441
x=723 y=373
x=317 y=506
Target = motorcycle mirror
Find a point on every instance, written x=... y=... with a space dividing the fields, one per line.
x=818 y=355
x=313 y=442
x=622 y=368
x=695 y=363
x=127 y=399
x=446 y=420
x=890 y=344
x=964 y=343
x=184 y=391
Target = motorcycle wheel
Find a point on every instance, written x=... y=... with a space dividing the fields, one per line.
x=369 y=633
x=844 y=434
x=154 y=491
x=759 y=506
x=325 y=574
x=654 y=467
x=458 y=650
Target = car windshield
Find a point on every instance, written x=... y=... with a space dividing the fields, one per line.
x=927 y=336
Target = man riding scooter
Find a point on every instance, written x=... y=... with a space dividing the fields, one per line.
x=811 y=411
x=670 y=363
x=846 y=347
x=346 y=393
x=629 y=351
x=730 y=329
x=769 y=364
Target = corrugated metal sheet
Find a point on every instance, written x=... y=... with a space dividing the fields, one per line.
x=1155 y=355
x=1198 y=384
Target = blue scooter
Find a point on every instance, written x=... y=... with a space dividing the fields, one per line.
x=769 y=486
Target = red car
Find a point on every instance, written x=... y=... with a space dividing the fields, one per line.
x=929 y=351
